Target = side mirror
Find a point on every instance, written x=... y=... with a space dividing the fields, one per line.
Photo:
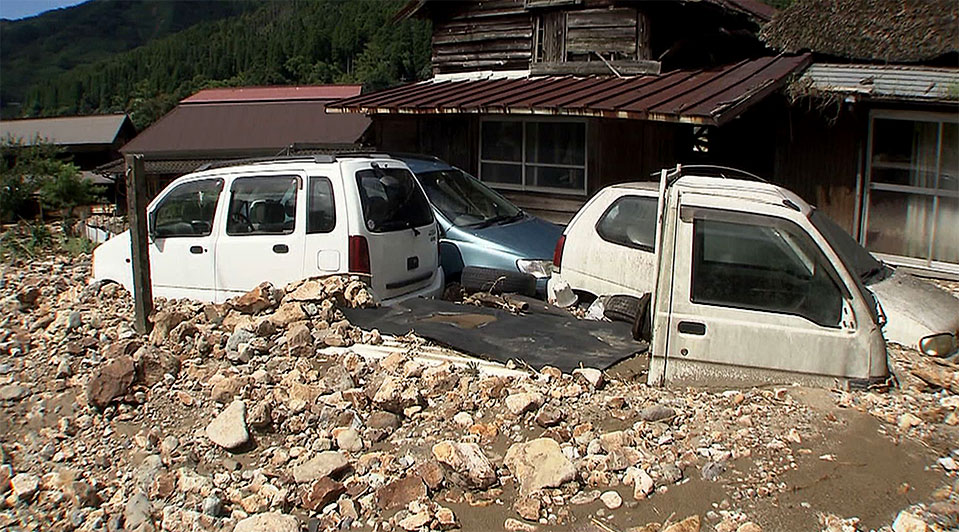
x=938 y=345
x=151 y=226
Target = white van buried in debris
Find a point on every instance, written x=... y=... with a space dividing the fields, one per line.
x=218 y=233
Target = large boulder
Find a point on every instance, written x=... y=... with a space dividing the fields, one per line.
x=111 y=381
x=228 y=429
x=468 y=466
x=539 y=464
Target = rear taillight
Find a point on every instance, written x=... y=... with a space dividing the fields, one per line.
x=558 y=252
x=359 y=255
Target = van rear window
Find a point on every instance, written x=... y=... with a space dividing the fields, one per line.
x=392 y=200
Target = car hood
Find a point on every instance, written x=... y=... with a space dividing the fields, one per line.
x=529 y=238
x=915 y=308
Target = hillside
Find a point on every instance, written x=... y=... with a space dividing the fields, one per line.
x=286 y=42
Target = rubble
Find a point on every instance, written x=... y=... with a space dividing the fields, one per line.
x=261 y=414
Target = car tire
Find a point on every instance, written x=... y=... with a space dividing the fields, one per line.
x=478 y=279
x=642 y=325
x=621 y=308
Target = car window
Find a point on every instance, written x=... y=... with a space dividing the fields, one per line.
x=188 y=209
x=629 y=221
x=262 y=206
x=392 y=200
x=321 y=210
x=774 y=268
x=463 y=199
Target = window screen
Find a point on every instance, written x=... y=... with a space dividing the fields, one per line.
x=322 y=210
x=762 y=267
x=630 y=221
x=188 y=209
x=262 y=206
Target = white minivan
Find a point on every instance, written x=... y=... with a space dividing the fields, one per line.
x=215 y=234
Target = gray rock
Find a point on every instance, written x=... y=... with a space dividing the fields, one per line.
x=228 y=429
x=656 y=413
x=25 y=486
x=148 y=471
x=268 y=522
x=74 y=320
x=239 y=336
x=712 y=470
x=13 y=392
x=329 y=463
x=212 y=506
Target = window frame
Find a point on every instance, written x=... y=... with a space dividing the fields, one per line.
x=868 y=185
x=523 y=164
x=694 y=214
x=297 y=185
x=309 y=203
x=627 y=197
x=220 y=182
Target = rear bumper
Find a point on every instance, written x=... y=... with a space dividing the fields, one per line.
x=435 y=289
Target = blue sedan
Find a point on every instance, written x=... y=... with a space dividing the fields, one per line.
x=479 y=227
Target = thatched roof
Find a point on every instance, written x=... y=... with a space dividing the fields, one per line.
x=899 y=31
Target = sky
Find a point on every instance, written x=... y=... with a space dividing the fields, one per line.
x=17 y=9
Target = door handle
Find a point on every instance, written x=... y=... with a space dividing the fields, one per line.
x=281 y=248
x=196 y=250
x=692 y=327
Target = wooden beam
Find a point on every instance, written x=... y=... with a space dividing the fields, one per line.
x=593 y=68
x=139 y=245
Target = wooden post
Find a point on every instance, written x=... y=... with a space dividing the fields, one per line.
x=644 y=49
x=139 y=245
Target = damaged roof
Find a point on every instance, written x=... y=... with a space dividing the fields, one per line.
x=698 y=96
x=884 y=82
x=867 y=30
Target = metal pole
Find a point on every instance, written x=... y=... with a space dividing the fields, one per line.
x=139 y=245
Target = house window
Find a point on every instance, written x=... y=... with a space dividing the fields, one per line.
x=912 y=197
x=534 y=155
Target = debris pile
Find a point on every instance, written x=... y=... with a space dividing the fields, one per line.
x=259 y=414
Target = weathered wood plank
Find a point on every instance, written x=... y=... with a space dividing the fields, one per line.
x=554 y=36
x=503 y=45
x=535 y=4
x=139 y=243
x=482 y=36
x=644 y=48
x=590 y=68
x=484 y=56
x=603 y=18
x=621 y=40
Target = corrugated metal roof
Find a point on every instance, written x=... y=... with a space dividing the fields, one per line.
x=885 y=81
x=692 y=96
x=259 y=94
x=65 y=130
x=263 y=127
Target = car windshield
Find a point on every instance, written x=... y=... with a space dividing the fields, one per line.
x=465 y=201
x=853 y=255
x=391 y=200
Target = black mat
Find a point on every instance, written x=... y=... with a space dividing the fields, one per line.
x=538 y=338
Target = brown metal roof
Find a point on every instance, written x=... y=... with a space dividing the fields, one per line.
x=250 y=127
x=262 y=94
x=708 y=97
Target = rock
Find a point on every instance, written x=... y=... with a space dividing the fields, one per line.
x=228 y=429
x=520 y=403
x=399 y=493
x=260 y=416
x=467 y=464
x=299 y=340
x=446 y=518
x=538 y=464
x=85 y=495
x=909 y=522
x=225 y=389
x=515 y=525
x=163 y=323
x=641 y=481
x=749 y=526
x=712 y=470
x=286 y=314
x=947 y=463
x=325 y=464
x=611 y=499
x=463 y=419
x=137 y=511
x=322 y=492
x=28 y=296
x=432 y=474
x=24 y=486
x=348 y=439
x=212 y=506
x=268 y=522
x=239 y=336
x=394 y=395
x=528 y=507
x=908 y=420
x=13 y=392
x=111 y=381
x=414 y=521
x=549 y=416
x=591 y=376
x=690 y=524
x=655 y=413
x=260 y=298
x=152 y=364
x=384 y=421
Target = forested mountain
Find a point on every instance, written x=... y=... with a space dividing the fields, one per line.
x=237 y=43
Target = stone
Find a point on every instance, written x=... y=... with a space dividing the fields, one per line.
x=463 y=419
x=137 y=511
x=515 y=525
x=690 y=524
x=322 y=492
x=299 y=340
x=153 y=363
x=749 y=526
x=285 y=314
x=24 y=486
x=225 y=389
x=909 y=522
x=163 y=323
x=268 y=522
x=85 y=495
x=655 y=413
x=549 y=416
x=591 y=376
x=528 y=507
x=325 y=464
x=384 y=420
x=520 y=403
x=260 y=298
x=446 y=518
x=260 y=416
x=394 y=395
x=642 y=483
x=539 y=464
x=228 y=429
x=908 y=421
x=947 y=463
x=399 y=493
x=212 y=506
x=111 y=381
x=611 y=499
x=414 y=521
x=13 y=392
x=239 y=336
x=348 y=439
x=432 y=474
x=466 y=463
x=712 y=470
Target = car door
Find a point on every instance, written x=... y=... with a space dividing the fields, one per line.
x=261 y=238
x=755 y=295
x=326 y=242
x=614 y=253
x=182 y=226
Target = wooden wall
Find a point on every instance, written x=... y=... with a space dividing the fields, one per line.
x=488 y=35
